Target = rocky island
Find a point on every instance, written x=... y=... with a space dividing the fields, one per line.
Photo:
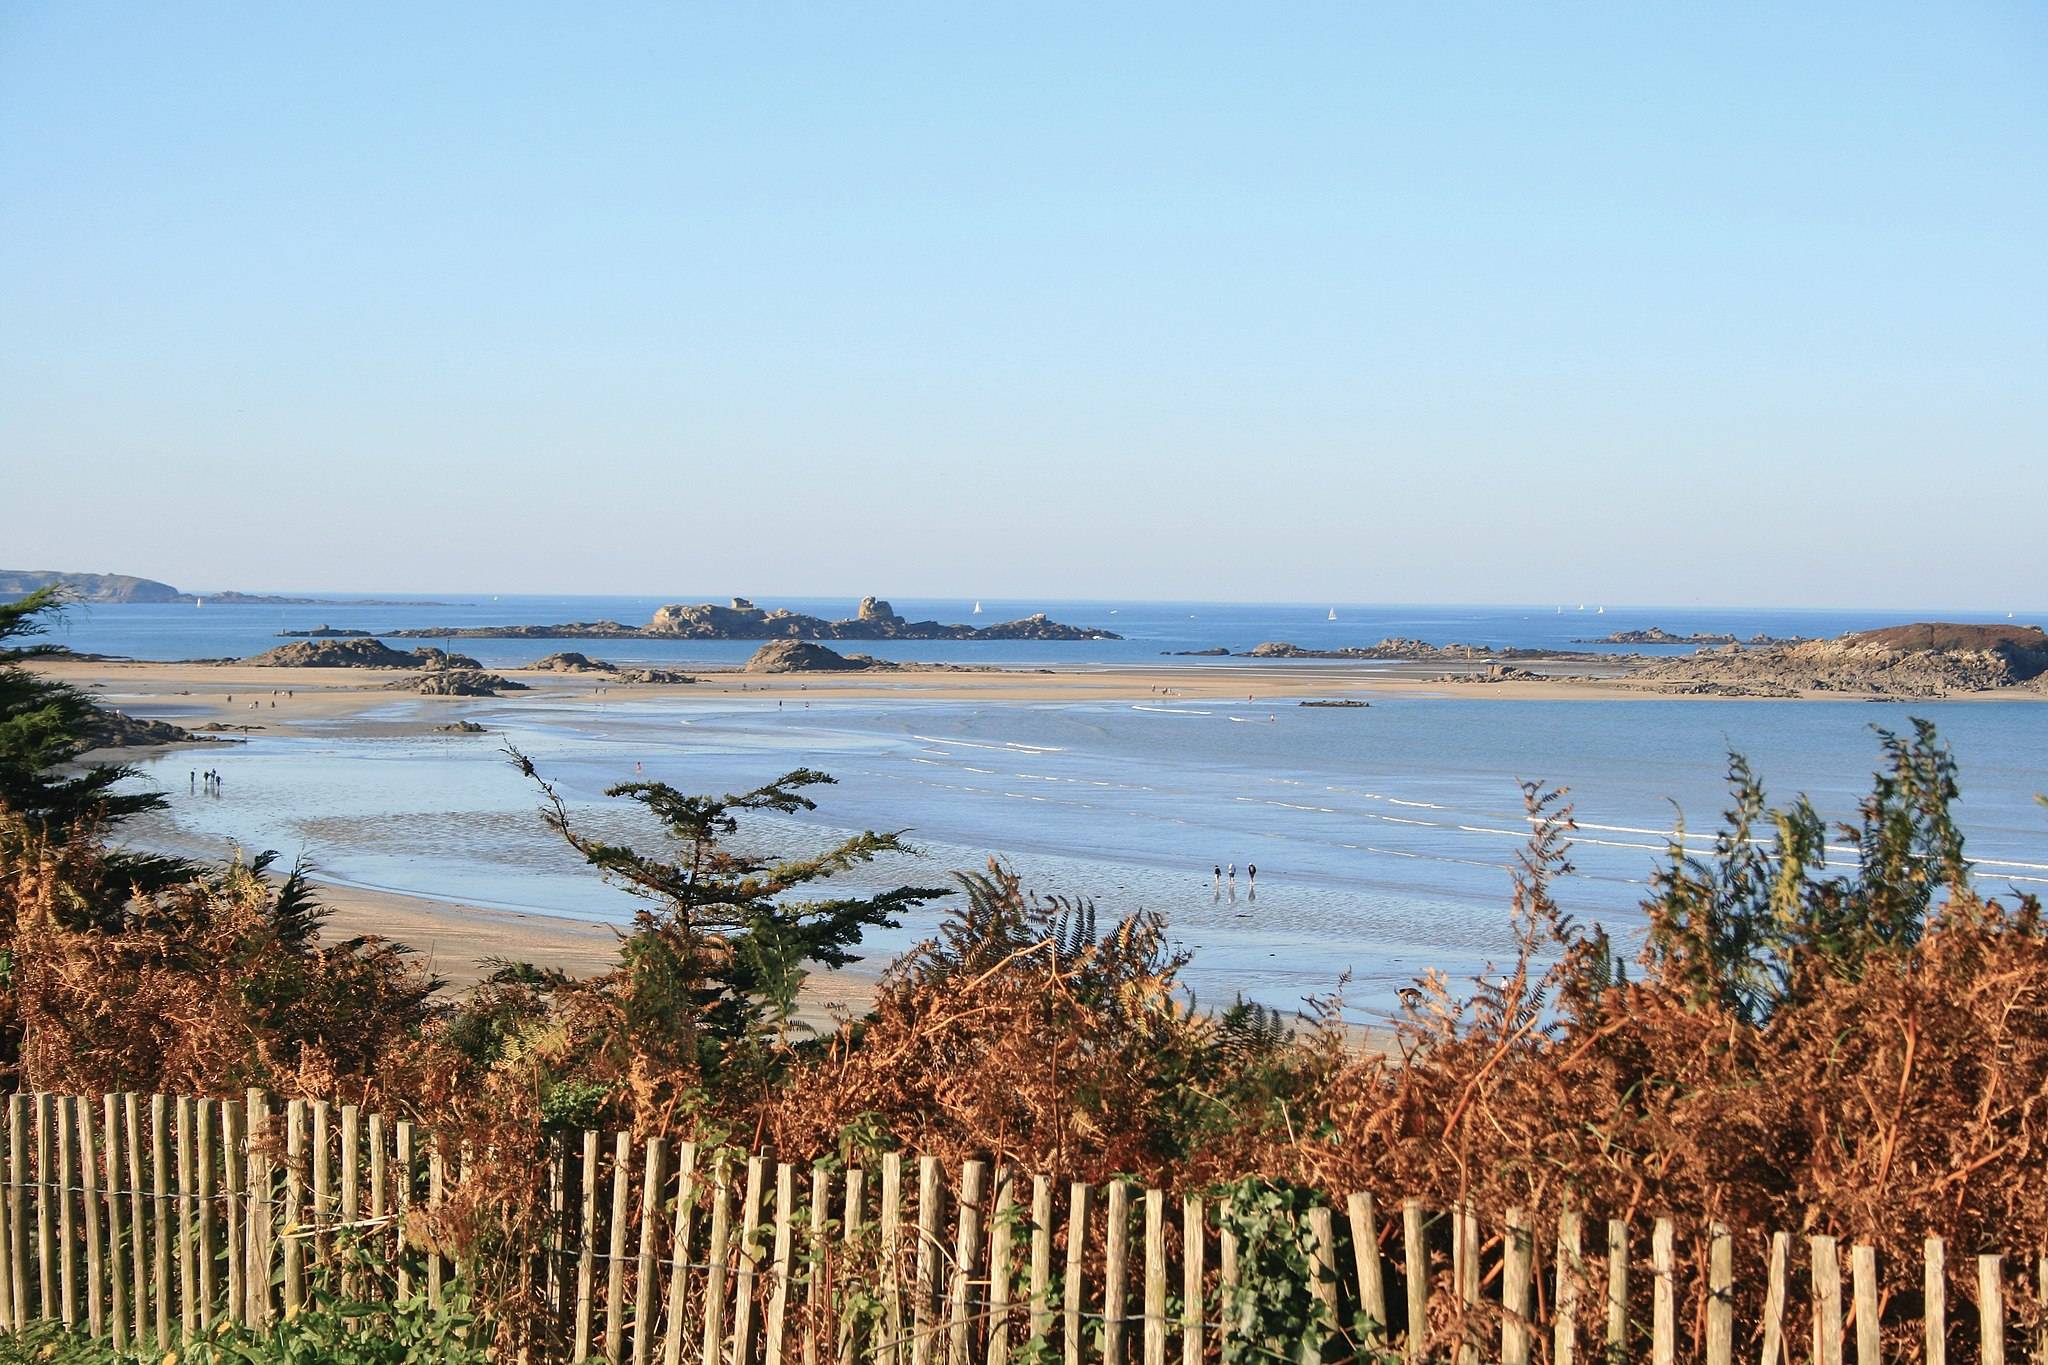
x=1657 y=635
x=1924 y=660
x=874 y=619
x=1396 y=649
x=356 y=654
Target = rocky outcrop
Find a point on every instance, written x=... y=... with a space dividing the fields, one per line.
x=801 y=656
x=569 y=661
x=568 y=630
x=117 y=730
x=874 y=619
x=356 y=653
x=457 y=682
x=462 y=727
x=1923 y=660
x=1397 y=649
x=1657 y=635
x=1219 y=652
x=325 y=632
x=654 y=677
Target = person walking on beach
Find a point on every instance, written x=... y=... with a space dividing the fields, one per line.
x=191 y=781
x=1233 y=874
x=1251 y=875
x=1219 y=876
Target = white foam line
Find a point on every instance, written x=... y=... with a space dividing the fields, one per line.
x=1168 y=710
x=1419 y=805
x=986 y=772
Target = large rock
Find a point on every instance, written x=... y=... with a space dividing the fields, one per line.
x=108 y=729
x=569 y=661
x=457 y=682
x=1925 y=659
x=875 y=609
x=801 y=656
x=355 y=653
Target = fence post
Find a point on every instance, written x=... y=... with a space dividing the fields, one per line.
x=294 y=1206
x=966 y=1239
x=851 y=1217
x=1070 y=1290
x=679 y=1255
x=231 y=1201
x=721 y=1233
x=1155 y=1277
x=1570 y=1271
x=892 y=1255
x=117 y=1229
x=647 y=1273
x=46 y=1255
x=1827 y=1301
x=188 y=1221
x=1323 y=1271
x=1721 y=1296
x=1415 y=1266
x=926 y=1287
x=67 y=1218
x=1617 y=1287
x=89 y=1205
x=1664 y=1295
x=1194 y=1245
x=138 y=1270
x=1001 y=1264
x=1517 y=1269
x=1116 y=1265
x=437 y=1195
x=380 y=1189
x=749 y=1266
x=1365 y=1256
x=615 y=1259
x=1863 y=1281
x=817 y=1280
x=322 y=1217
x=351 y=1184
x=586 y=1261
x=778 y=1271
x=1990 y=1311
x=262 y=1246
x=8 y=1298
x=1775 y=1351
x=1934 y=1298
x=208 y=1156
x=17 y=1204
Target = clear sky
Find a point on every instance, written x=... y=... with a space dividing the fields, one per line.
x=1653 y=303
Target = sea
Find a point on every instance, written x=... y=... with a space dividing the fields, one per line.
x=1385 y=837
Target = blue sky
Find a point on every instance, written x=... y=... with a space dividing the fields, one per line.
x=1619 y=302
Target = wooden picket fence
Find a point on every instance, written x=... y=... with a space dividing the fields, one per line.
x=148 y=1220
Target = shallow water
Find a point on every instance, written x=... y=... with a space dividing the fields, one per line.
x=1383 y=836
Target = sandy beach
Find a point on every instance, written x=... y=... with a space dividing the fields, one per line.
x=459 y=941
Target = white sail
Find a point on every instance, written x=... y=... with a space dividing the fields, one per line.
x=977 y=608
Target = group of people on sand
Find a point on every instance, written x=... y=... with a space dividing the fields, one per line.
x=212 y=782
x=1251 y=872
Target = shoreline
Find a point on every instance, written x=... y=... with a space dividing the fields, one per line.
x=457 y=936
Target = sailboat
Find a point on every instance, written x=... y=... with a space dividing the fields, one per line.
x=198 y=601
x=1333 y=613
x=977 y=608
x=1599 y=611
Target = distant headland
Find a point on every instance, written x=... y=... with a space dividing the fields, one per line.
x=874 y=619
x=125 y=589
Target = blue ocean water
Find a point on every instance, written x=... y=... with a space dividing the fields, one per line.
x=1150 y=628
x=1383 y=836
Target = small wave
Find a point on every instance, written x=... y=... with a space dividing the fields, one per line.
x=1169 y=710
